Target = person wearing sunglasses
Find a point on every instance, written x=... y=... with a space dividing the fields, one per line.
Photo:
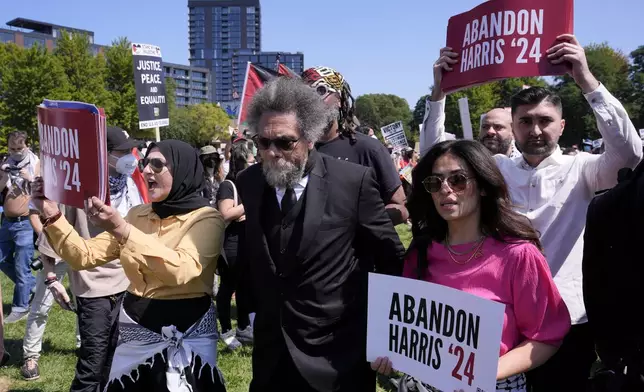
x=340 y=139
x=169 y=250
x=472 y=240
x=315 y=227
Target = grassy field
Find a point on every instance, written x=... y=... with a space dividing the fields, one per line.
x=58 y=355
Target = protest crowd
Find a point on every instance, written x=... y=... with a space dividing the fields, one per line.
x=288 y=220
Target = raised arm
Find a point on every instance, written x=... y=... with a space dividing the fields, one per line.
x=623 y=147
x=174 y=266
x=80 y=253
x=433 y=130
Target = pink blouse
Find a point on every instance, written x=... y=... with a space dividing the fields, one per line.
x=516 y=275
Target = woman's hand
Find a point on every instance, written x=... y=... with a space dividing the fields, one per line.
x=45 y=207
x=104 y=216
x=382 y=365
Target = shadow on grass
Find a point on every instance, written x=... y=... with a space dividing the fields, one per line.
x=14 y=348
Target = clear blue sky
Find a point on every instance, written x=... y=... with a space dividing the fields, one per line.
x=379 y=46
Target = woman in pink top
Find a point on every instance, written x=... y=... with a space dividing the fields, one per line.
x=462 y=217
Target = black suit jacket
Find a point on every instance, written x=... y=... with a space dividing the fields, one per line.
x=316 y=311
x=613 y=270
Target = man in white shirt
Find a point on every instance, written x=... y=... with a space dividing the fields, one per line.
x=554 y=190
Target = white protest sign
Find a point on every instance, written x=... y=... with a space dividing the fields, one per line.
x=597 y=143
x=464 y=110
x=395 y=134
x=444 y=337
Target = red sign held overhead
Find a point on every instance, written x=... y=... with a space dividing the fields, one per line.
x=506 y=39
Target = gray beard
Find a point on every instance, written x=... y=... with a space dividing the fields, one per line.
x=283 y=176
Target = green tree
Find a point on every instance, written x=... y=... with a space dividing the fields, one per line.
x=378 y=110
x=28 y=76
x=418 y=115
x=121 y=109
x=85 y=72
x=506 y=88
x=611 y=68
x=197 y=124
x=481 y=99
x=637 y=82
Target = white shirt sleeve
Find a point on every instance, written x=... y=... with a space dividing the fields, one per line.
x=433 y=131
x=623 y=146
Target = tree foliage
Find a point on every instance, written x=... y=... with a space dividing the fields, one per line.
x=611 y=68
x=197 y=124
x=119 y=82
x=27 y=77
x=85 y=72
x=378 y=110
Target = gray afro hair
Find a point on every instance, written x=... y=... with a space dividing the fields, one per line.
x=286 y=95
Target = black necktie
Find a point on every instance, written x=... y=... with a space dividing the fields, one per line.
x=288 y=201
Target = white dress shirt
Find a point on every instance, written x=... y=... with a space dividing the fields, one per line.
x=555 y=195
x=298 y=188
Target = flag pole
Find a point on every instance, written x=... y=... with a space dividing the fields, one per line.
x=241 y=104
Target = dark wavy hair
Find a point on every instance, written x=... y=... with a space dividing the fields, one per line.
x=498 y=219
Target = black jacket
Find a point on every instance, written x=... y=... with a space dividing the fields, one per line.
x=613 y=270
x=316 y=310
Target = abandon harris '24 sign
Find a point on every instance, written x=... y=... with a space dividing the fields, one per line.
x=506 y=39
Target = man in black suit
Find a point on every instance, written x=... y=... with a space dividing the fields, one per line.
x=315 y=227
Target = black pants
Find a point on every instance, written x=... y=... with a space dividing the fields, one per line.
x=98 y=326
x=230 y=274
x=569 y=369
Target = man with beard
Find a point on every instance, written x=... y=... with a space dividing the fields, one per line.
x=496 y=125
x=554 y=191
x=315 y=227
x=340 y=139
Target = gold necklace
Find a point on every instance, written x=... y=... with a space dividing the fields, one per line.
x=477 y=253
x=449 y=246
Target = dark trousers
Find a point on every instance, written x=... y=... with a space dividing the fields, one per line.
x=98 y=326
x=230 y=274
x=569 y=369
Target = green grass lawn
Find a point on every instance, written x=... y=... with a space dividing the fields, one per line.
x=58 y=355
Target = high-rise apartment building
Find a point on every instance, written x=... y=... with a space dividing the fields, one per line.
x=224 y=36
x=216 y=30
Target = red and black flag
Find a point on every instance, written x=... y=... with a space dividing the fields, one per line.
x=256 y=76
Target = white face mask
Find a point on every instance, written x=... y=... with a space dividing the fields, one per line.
x=126 y=164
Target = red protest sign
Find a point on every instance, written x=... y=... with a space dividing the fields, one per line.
x=73 y=154
x=506 y=39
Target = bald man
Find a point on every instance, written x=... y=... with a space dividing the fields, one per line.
x=496 y=125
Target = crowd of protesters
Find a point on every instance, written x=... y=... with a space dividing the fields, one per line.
x=290 y=218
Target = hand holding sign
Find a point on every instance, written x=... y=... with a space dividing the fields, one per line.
x=572 y=54
x=382 y=365
x=104 y=216
x=444 y=63
x=46 y=207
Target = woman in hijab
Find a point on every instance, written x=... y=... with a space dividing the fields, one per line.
x=168 y=249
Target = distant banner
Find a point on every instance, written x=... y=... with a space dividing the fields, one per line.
x=149 y=81
x=444 y=337
x=395 y=134
x=506 y=39
x=73 y=152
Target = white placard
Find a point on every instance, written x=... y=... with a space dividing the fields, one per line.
x=464 y=110
x=444 y=337
x=395 y=134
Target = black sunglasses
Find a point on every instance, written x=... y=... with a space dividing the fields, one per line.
x=457 y=182
x=156 y=164
x=281 y=143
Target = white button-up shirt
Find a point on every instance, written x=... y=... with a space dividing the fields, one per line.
x=555 y=195
x=298 y=188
